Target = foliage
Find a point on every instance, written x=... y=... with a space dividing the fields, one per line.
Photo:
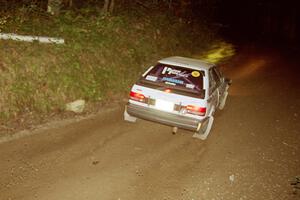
x=102 y=57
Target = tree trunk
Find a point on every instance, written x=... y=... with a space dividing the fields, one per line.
x=111 y=6
x=170 y=4
x=108 y=6
x=70 y=3
x=54 y=7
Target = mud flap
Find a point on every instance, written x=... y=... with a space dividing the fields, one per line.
x=202 y=135
x=223 y=101
x=128 y=117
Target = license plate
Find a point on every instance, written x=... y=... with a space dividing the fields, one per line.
x=164 y=105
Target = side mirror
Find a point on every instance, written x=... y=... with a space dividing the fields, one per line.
x=228 y=81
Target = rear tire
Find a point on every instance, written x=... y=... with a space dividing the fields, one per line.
x=204 y=129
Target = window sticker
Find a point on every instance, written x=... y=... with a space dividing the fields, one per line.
x=195 y=74
x=170 y=71
x=151 y=78
x=179 y=77
x=174 y=84
x=191 y=86
x=172 y=80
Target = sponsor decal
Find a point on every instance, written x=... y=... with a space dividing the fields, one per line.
x=195 y=74
x=172 y=80
x=191 y=86
x=170 y=71
x=151 y=78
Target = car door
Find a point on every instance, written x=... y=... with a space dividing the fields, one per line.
x=219 y=76
x=214 y=84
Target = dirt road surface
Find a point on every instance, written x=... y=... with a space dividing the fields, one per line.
x=253 y=151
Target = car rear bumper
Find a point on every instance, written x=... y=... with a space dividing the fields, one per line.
x=163 y=117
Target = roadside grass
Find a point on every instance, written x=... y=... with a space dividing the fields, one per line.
x=102 y=57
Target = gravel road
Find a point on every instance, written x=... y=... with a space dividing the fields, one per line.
x=253 y=151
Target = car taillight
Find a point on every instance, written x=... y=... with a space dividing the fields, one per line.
x=137 y=97
x=167 y=90
x=196 y=110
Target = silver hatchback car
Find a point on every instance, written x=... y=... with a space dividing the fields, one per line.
x=179 y=92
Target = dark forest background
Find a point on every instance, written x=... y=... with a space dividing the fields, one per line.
x=273 y=22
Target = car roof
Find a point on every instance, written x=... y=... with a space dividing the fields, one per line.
x=186 y=62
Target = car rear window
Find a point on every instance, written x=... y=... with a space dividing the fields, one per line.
x=176 y=77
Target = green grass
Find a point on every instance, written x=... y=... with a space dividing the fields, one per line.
x=101 y=59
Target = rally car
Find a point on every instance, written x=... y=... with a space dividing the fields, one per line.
x=180 y=92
